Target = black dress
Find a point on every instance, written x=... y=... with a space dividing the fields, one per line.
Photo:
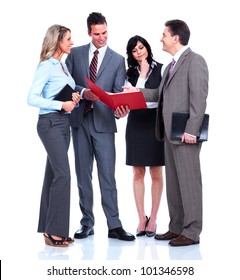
x=142 y=147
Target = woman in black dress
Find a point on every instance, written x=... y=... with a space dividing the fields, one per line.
x=142 y=148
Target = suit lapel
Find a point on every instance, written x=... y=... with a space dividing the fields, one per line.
x=164 y=82
x=178 y=64
x=86 y=59
x=107 y=56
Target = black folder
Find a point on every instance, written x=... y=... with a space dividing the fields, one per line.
x=179 y=120
x=65 y=94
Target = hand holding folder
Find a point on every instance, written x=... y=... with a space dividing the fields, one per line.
x=179 y=120
x=134 y=100
x=65 y=94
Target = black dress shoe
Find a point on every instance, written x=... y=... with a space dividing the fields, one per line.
x=120 y=234
x=83 y=232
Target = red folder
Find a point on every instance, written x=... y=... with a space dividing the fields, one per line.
x=134 y=100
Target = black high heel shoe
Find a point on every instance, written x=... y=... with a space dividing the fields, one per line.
x=151 y=233
x=69 y=240
x=142 y=232
x=49 y=240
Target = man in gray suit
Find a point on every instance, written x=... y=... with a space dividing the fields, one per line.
x=183 y=89
x=93 y=127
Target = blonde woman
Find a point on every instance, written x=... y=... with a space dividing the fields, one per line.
x=53 y=128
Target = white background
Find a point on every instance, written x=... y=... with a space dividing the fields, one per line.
x=214 y=34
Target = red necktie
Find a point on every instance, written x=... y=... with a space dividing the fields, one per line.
x=93 y=74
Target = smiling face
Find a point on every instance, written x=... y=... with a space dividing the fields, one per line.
x=140 y=52
x=99 y=35
x=66 y=43
x=169 y=41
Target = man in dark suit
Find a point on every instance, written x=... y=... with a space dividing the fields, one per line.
x=93 y=127
x=184 y=89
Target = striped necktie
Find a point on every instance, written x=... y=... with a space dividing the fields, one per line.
x=93 y=75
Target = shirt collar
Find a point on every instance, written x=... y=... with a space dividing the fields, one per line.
x=53 y=60
x=92 y=49
x=179 y=53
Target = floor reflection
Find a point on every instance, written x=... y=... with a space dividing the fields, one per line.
x=97 y=248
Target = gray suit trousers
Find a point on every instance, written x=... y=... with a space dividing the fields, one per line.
x=184 y=188
x=88 y=143
x=54 y=131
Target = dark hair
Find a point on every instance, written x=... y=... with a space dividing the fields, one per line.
x=95 y=18
x=131 y=61
x=132 y=42
x=180 y=28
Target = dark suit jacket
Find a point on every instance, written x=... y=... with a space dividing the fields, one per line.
x=110 y=77
x=185 y=91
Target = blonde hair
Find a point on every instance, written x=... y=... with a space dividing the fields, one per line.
x=51 y=40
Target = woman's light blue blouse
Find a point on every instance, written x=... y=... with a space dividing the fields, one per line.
x=48 y=81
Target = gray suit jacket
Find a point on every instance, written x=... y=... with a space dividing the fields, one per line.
x=110 y=77
x=185 y=91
